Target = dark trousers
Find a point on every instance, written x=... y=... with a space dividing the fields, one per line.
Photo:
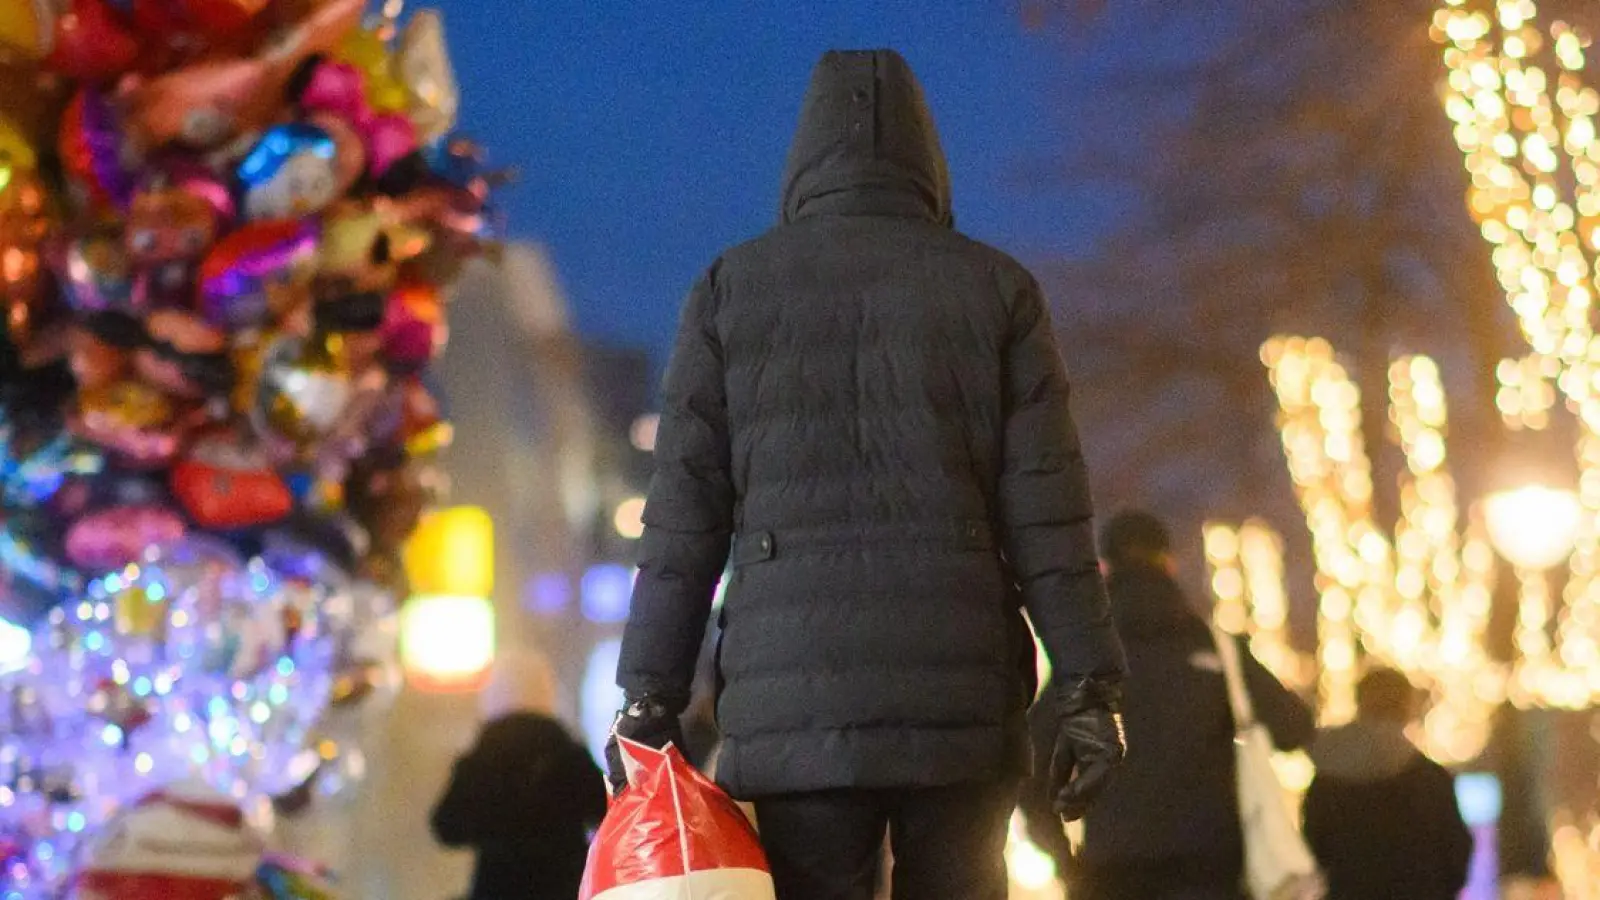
x=1156 y=880
x=947 y=842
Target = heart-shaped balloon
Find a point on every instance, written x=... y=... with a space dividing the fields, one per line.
x=413 y=330
x=226 y=484
x=92 y=43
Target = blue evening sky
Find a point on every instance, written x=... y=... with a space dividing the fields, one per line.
x=649 y=135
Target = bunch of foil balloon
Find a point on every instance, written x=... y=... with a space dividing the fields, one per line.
x=227 y=228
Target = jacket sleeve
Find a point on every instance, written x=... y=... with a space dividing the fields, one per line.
x=1452 y=840
x=1286 y=716
x=1045 y=514
x=688 y=516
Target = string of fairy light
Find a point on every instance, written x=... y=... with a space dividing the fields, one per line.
x=1421 y=603
x=1320 y=425
x=1247 y=580
x=1525 y=130
x=1524 y=121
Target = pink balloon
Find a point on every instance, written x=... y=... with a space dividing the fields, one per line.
x=390 y=139
x=336 y=88
x=120 y=535
x=413 y=330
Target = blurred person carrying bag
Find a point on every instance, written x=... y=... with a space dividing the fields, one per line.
x=1278 y=864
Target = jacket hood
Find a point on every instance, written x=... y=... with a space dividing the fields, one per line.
x=1363 y=752
x=865 y=144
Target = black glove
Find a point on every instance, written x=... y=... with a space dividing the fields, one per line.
x=1090 y=744
x=647 y=720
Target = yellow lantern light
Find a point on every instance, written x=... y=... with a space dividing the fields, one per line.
x=452 y=552
x=447 y=641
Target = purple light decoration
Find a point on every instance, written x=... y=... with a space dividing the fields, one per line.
x=547 y=594
x=607 y=591
x=1478 y=796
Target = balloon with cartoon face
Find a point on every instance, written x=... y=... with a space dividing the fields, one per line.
x=292 y=171
x=176 y=213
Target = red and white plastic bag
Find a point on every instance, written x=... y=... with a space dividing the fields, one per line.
x=673 y=835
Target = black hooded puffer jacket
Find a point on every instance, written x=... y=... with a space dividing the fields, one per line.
x=870 y=410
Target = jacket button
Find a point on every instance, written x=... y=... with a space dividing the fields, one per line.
x=972 y=529
x=766 y=543
x=859 y=95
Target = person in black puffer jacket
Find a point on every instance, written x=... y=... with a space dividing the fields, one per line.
x=870 y=410
x=1382 y=818
x=1168 y=828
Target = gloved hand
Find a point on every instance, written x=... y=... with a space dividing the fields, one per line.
x=1090 y=744
x=647 y=720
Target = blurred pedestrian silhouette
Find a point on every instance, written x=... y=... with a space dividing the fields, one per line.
x=1168 y=826
x=1381 y=817
x=526 y=796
